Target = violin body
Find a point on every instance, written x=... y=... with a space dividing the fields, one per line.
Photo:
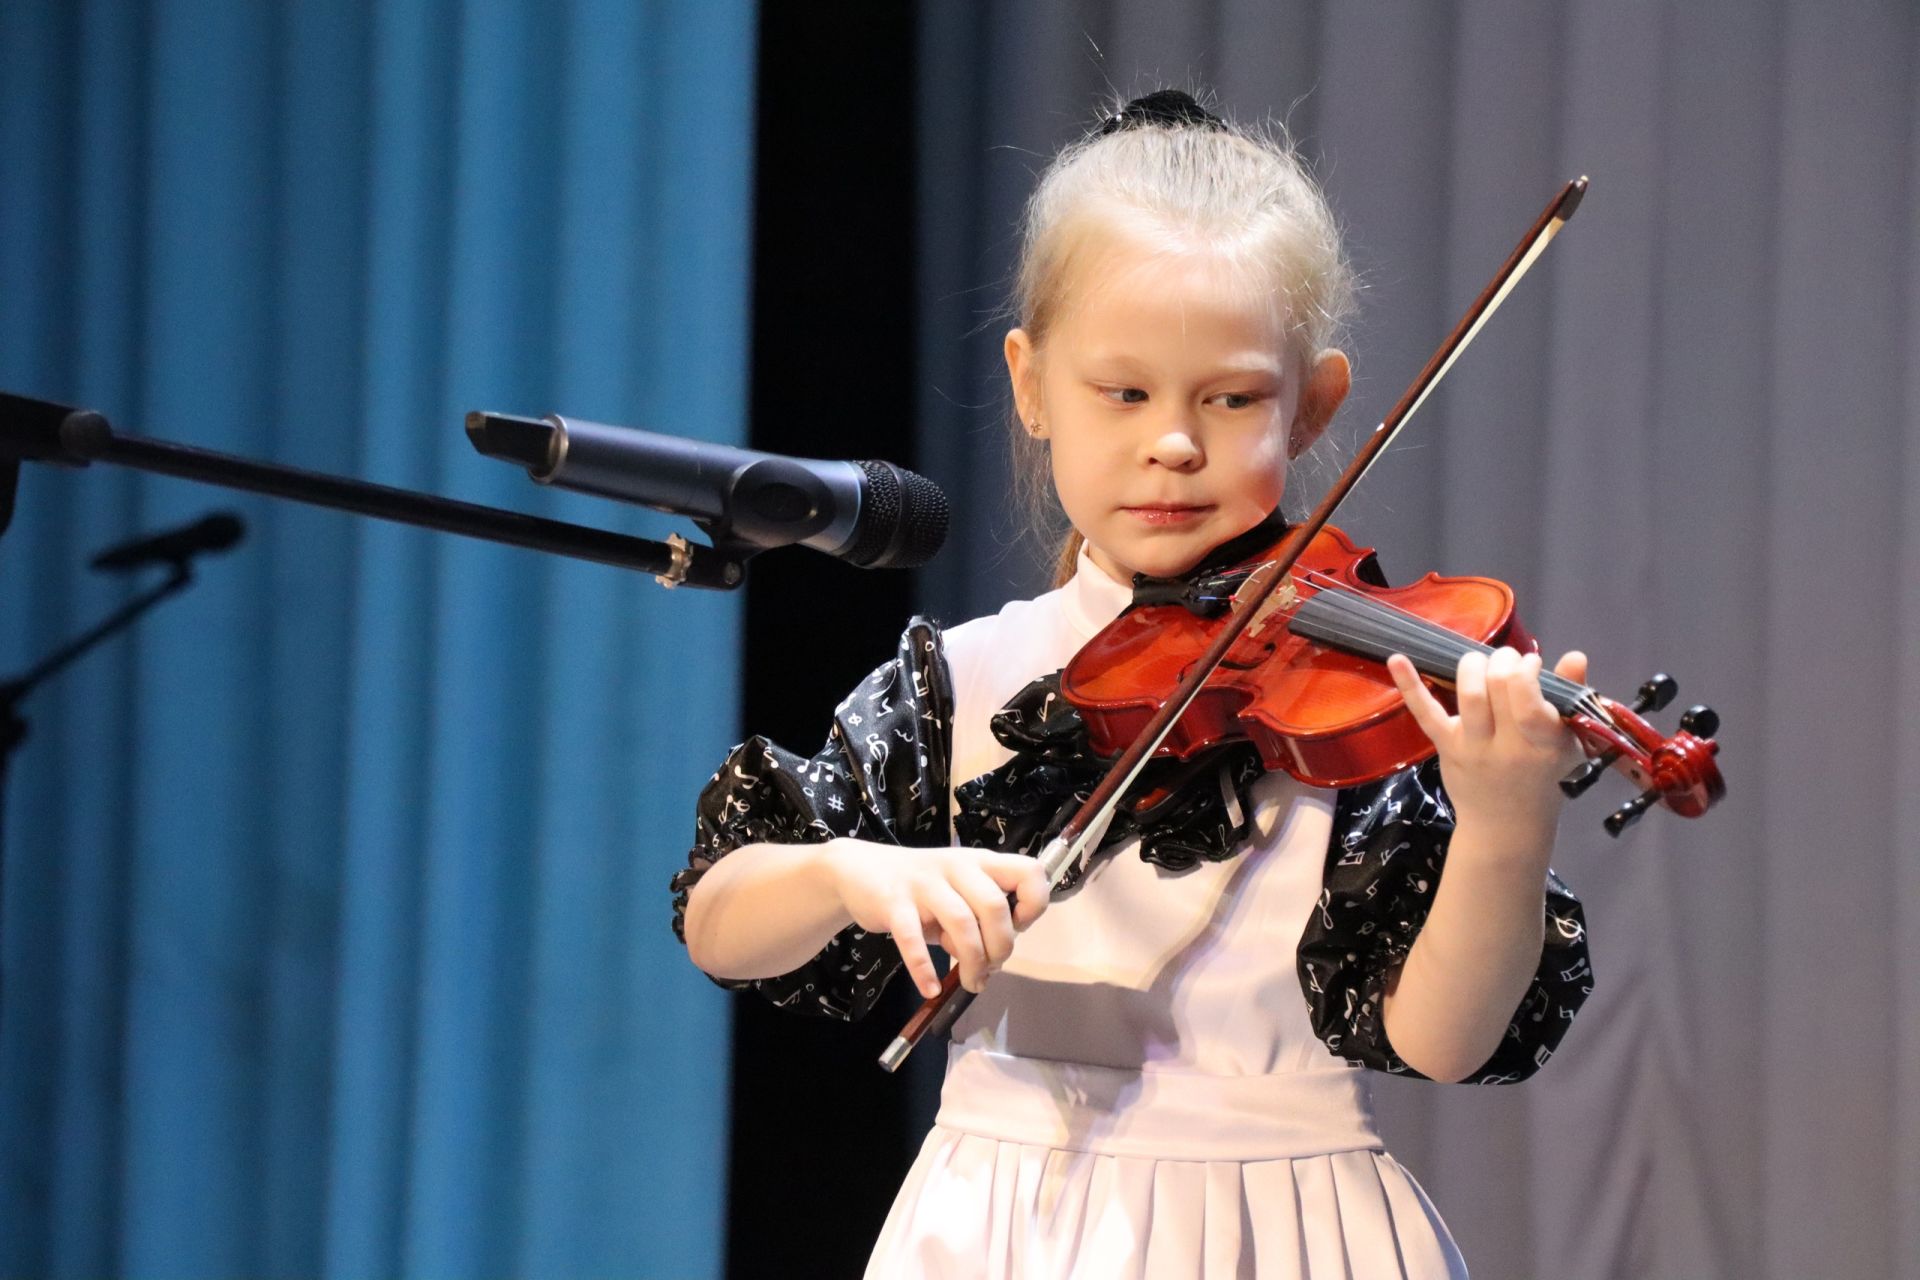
x=1306 y=682
x=1329 y=718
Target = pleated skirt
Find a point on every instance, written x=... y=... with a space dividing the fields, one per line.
x=1037 y=1170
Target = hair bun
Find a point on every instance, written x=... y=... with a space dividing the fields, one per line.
x=1167 y=108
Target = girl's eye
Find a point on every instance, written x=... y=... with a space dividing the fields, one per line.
x=1124 y=395
x=1236 y=399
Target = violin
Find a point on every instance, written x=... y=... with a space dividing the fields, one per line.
x=1292 y=660
x=1306 y=684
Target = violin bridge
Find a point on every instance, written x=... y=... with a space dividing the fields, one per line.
x=1281 y=599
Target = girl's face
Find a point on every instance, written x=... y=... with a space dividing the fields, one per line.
x=1168 y=402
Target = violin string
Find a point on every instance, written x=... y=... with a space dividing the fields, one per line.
x=1377 y=628
x=1436 y=654
x=1392 y=630
x=1454 y=644
x=1391 y=626
x=1379 y=632
x=1448 y=646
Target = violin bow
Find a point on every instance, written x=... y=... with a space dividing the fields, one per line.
x=1089 y=823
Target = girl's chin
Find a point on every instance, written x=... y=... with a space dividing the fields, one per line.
x=1163 y=561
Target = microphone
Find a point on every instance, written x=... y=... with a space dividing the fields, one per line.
x=872 y=514
x=216 y=532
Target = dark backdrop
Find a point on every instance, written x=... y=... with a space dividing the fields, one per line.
x=821 y=1135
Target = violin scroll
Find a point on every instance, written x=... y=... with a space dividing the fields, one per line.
x=1678 y=772
x=1654 y=695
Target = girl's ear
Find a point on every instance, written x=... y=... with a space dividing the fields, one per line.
x=1327 y=384
x=1023 y=373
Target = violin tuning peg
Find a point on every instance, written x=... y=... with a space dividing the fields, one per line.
x=1581 y=780
x=1656 y=693
x=1701 y=722
x=1630 y=812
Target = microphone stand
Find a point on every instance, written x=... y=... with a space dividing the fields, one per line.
x=13 y=728
x=41 y=431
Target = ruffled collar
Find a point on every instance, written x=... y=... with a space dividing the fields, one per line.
x=1203 y=812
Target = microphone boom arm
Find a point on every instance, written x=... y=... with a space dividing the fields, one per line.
x=41 y=431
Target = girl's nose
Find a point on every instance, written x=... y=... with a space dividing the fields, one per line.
x=1176 y=449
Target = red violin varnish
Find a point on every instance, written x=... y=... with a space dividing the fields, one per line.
x=1306 y=684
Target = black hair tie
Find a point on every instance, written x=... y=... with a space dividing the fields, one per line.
x=1168 y=108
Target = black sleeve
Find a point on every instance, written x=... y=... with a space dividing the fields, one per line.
x=1384 y=864
x=882 y=775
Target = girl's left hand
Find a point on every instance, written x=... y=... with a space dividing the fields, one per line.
x=1504 y=753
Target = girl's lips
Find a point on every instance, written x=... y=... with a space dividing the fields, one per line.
x=1167 y=515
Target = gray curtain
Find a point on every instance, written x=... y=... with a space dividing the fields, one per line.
x=1686 y=441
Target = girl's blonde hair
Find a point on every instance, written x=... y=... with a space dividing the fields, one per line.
x=1240 y=191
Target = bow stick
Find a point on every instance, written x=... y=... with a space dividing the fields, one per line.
x=1089 y=823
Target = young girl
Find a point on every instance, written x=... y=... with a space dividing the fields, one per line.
x=1161 y=1079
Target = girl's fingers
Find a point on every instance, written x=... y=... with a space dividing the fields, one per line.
x=962 y=932
x=1019 y=875
x=1572 y=666
x=904 y=924
x=989 y=904
x=1475 y=711
x=1426 y=709
x=1525 y=703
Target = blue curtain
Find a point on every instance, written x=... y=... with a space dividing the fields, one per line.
x=334 y=931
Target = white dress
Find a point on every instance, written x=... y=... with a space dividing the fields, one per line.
x=1138 y=1093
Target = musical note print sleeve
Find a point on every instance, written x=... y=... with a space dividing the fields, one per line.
x=882 y=775
x=1383 y=866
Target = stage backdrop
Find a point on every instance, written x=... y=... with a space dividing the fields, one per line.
x=334 y=933
x=1688 y=439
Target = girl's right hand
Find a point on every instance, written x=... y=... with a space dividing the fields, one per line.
x=951 y=898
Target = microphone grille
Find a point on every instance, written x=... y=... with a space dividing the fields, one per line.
x=903 y=519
